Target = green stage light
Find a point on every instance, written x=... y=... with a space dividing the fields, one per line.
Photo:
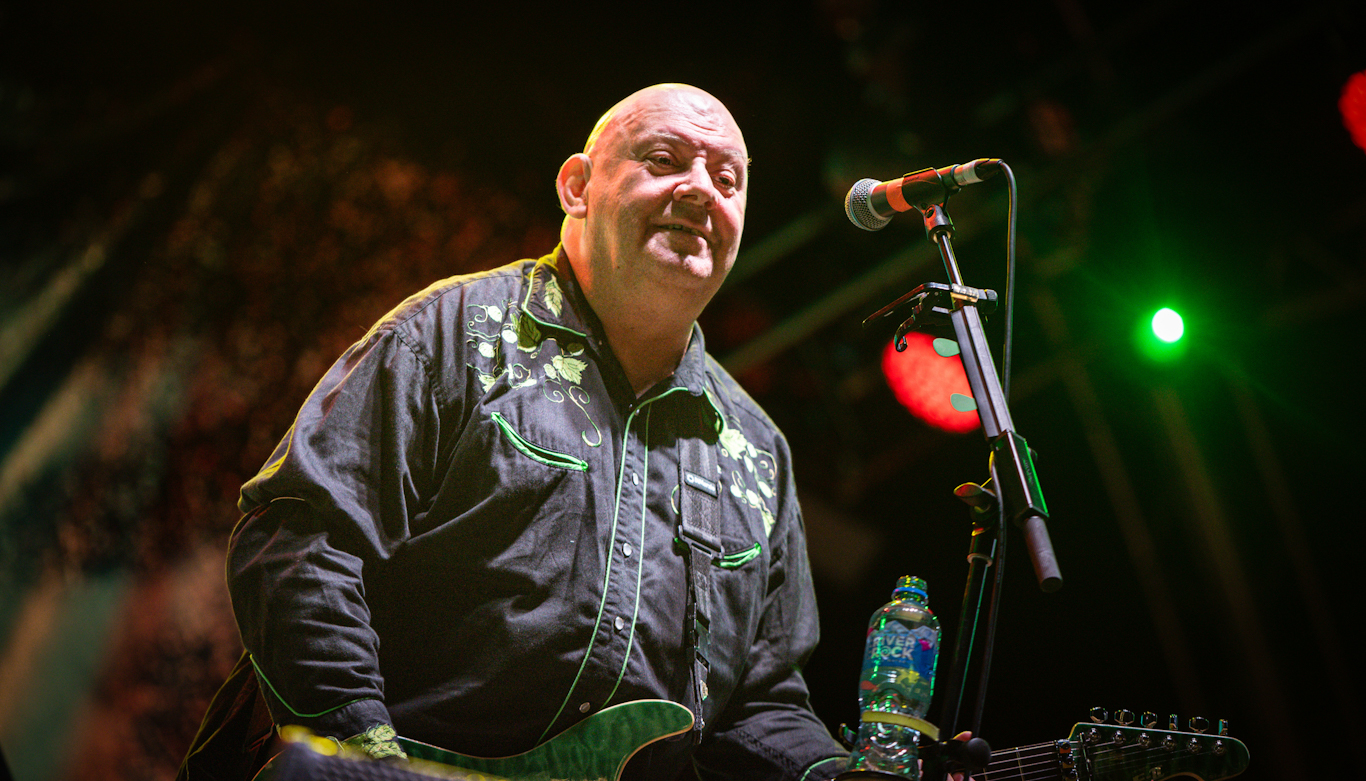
x=1160 y=336
x=1168 y=325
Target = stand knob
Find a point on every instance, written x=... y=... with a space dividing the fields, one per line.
x=975 y=754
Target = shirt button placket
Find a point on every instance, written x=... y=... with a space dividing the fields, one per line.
x=622 y=596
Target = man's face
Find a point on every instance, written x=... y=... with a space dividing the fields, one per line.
x=666 y=198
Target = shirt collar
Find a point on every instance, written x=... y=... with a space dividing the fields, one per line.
x=692 y=369
x=554 y=299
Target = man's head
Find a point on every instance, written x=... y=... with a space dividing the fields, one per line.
x=655 y=204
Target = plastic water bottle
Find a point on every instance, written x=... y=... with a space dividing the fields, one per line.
x=897 y=683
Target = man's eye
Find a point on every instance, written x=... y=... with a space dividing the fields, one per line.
x=727 y=181
x=662 y=160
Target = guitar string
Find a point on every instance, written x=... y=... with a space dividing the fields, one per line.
x=1026 y=763
x=1133 y=757
x=1040 y=760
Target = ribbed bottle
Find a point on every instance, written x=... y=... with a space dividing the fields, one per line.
x=897 y=682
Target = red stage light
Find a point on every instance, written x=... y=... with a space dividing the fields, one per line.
x=1352 y=104
x=923 y=381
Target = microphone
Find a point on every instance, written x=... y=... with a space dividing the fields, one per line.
x=871 y=204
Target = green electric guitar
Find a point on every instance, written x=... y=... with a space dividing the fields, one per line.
x=1102 y=751
x=598 y=748
x=595 y=749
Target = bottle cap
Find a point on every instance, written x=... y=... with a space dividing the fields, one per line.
x=910 y=586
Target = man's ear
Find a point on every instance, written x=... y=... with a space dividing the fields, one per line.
x=572 y=184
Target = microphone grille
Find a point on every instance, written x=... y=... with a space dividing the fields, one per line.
x=860 y=210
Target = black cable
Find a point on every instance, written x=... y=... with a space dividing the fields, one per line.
x=1012 y=214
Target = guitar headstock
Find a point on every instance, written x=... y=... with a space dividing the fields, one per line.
x=1122 y=750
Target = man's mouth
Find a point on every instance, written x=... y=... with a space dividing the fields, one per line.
x=684 y=229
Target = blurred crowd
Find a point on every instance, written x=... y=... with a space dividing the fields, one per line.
x=300 y=231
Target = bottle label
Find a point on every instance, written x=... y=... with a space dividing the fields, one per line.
x=902 y=659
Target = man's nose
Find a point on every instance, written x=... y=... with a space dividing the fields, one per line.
x=696 y=187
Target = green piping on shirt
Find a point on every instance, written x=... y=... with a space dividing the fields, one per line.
x=538 y=453
x=283 y=702
x=738 y=559
x=817 y=764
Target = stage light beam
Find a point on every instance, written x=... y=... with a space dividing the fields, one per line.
x=1168 y=325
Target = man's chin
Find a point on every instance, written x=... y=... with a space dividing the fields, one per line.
x=697 y=266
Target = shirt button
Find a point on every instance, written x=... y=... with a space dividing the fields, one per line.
x=584 y=708
x=620 y=623
x=626 y=549
x=635 y=478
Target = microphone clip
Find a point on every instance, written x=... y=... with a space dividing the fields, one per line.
x=931 y=305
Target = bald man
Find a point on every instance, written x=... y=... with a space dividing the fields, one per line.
x=527 y=496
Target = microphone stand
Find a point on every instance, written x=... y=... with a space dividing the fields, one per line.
x=1015 y=493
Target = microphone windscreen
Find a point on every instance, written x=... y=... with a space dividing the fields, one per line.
x=858 y=205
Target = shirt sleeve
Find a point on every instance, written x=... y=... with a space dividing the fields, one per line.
x=334 y=499
x=768 y=730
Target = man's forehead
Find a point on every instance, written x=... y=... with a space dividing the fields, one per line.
x=721 y=146
x=681 y=113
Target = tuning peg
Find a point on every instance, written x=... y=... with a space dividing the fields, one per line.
x=1099 y=715
x=1148 y=719
x=1193 y=745
x=1124 y=717
x=1223 y=727
x=1199 y=724
x=1171 y=723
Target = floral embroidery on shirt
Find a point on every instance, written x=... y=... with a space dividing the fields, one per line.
x=523 y=332
x=560 y=374
x=554 y=297
x=752 y=485
x=569 y=368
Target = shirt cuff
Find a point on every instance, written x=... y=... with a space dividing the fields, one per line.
x=341 y=723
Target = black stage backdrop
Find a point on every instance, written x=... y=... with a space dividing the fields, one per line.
x=201 y=206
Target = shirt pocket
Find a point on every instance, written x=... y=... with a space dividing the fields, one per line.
x=535 y=452
x=736 y=555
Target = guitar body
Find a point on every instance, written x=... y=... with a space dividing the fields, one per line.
x=598 y=748
x=595 y=749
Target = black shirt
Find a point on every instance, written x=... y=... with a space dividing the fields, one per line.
x=470 y=532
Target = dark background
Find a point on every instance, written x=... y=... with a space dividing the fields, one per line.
x=201 y=206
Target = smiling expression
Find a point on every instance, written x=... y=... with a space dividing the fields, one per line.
x=667 y=193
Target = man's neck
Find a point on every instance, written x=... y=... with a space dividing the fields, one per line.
x=648 y=329
x=647 y=352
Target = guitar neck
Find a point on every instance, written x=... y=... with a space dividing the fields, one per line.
x=1117 y=753
x=1038 y=762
